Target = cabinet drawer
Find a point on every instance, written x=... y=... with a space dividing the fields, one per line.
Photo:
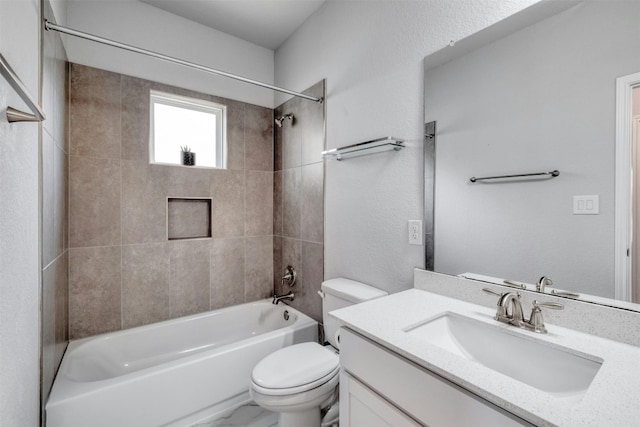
x=422 y=394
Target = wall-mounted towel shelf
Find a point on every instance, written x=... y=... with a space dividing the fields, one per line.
x=14 y=115
x=551 y=174
x=368 y=147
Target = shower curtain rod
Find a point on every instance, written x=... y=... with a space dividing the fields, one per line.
x=49 y=26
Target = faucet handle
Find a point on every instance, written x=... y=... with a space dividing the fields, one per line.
x=501 y=310
x=492 y=292
x=548 y=304
x=536 y=320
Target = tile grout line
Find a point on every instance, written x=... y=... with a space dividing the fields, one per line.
x=121 y=203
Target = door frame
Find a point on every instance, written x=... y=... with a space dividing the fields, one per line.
x=623 y=185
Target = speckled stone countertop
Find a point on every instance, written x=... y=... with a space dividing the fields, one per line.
x=612 y=399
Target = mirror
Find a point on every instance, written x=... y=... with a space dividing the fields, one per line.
x=537 y=93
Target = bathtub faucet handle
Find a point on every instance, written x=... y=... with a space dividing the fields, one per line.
x=289 y=277
x=278 y=298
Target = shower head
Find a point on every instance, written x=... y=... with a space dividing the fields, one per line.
x=279 y=121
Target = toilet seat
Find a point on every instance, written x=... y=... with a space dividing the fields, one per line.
x=295 y=369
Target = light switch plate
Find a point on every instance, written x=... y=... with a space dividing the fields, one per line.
x=586 y=205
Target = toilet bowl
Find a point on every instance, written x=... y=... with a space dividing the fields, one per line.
x=300 y=380
x=297 y=382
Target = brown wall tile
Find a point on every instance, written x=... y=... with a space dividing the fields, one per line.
x=94 y=291
x=144 y=202
x=235 y=134
x=228 y=210
x=145 y=284
x=277 y=144
x=258 y=137
x=291 y=199
x=312 y=203
x=95 y=112
x=258 y=268
x=190 y=267
x=277 y=263
x=277 y=203
x=227 y=272
x=94 y=204
x=259 y=203
x=311 y=278
x=135 y=118
x=187 y=182
x=163 y=279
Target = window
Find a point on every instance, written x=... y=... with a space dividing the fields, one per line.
x=178 y=121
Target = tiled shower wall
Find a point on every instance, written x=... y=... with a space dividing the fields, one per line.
x=55 y=161
x=123 y=272
x=298 y=199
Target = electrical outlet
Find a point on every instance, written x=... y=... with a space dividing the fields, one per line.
x=415 y=232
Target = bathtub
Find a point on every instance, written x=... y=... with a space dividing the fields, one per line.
x=172 y=373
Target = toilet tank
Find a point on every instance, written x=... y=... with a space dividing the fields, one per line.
x=339 y=293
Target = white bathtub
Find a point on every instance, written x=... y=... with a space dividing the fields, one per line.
x=171 y=373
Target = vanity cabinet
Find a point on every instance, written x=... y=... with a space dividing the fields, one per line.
x=381 y=388
x=364 y=407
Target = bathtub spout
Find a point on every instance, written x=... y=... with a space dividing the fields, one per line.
x=278 y=298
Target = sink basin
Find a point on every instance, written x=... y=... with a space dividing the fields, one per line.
x=555 y=370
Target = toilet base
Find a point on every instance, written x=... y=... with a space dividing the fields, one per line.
x=307 y=418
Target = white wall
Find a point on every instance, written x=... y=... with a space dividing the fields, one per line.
x=150 y=28
x=19 y=224
x=540 y=99
x=59 y=8
x=371 y=53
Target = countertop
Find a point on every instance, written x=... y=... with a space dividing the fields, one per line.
x=612 y=399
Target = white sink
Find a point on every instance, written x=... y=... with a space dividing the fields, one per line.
x=554 y=370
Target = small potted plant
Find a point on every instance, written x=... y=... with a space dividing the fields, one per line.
x=188 y=157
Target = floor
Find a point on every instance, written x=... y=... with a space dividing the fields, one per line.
x=249 y=415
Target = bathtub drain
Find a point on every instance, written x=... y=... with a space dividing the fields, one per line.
x=286 y=315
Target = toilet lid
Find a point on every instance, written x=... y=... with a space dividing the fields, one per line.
x=295 y=366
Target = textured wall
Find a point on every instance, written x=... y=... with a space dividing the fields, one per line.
x=55 y=162
x=371 y=53
x=122 y=270
x=19 y=222
x=298 y=200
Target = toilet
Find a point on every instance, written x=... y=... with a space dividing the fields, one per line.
x=300 y=380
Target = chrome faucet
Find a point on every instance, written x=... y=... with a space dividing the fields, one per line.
x=278 y=298
x=509 y=310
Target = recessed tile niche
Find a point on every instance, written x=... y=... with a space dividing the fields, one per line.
x=188 y=218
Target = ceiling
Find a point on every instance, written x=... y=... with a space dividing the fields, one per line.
x=267 y=23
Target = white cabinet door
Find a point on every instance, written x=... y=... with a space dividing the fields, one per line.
x=418 y=392
x=365 y=408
